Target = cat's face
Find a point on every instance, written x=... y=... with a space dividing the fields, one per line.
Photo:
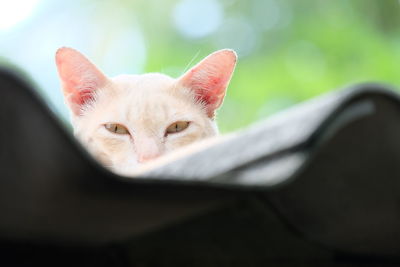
x=130 y=119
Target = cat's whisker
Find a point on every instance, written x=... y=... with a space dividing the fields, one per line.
x=191 y=61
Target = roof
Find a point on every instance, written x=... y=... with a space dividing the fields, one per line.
x=320 y=179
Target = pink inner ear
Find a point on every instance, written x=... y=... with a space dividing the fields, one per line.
x=210 y=78
x=80 y=78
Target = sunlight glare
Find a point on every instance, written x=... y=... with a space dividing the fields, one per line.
x=197 y=19
x=15 y=11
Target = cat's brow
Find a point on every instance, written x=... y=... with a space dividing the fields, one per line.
x=166 y=111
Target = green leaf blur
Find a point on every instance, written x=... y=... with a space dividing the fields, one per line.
x=325 y=45
x=289 y=50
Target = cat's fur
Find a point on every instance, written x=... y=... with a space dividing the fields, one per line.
x=144 y=104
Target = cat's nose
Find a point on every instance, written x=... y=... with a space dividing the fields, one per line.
x=147 y=149
x=145 y=158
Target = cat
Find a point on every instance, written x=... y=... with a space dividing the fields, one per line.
x=128 y=120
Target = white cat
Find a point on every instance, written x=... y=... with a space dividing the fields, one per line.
x=130 y=119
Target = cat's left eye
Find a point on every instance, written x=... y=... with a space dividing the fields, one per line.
x=176 y=127
x=116 y=128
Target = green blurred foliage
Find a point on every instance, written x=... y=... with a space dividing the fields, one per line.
x=317 y=46
x=325 y=45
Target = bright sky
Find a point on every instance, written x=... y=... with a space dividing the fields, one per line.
x=15 y=11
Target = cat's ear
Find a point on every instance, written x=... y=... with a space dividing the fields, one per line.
x=79 y=77
x=210 y=78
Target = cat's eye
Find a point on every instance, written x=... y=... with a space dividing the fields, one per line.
x=177 y=127
x=116 y=128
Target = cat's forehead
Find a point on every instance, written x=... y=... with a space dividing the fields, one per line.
x=145 y=99
x=149 y=90
x=148 y=83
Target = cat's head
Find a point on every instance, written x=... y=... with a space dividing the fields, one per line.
x=130 y=119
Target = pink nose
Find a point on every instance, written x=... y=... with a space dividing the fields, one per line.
x=146 y=149
x=148 y=157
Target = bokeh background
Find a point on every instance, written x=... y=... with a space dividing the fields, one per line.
x=289 y=50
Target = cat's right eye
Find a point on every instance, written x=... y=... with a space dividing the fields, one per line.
x=116 y=128
x=176 y=127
